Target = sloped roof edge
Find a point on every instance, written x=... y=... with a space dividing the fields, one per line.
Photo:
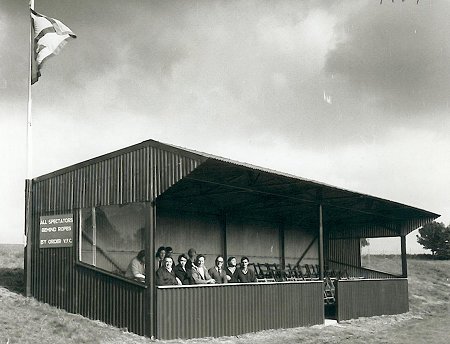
x=202 y=155
x=287 y=175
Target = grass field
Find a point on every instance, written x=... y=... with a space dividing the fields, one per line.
x=25 y=320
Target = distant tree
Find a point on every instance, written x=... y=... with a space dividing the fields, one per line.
x=381 y=1
x=435 y=236
x=364 y=242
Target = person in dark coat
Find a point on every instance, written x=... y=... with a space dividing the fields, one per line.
x=160 y=254
x=183 y=274
x=165 y=274
x=244 y=274
x=192 y=253
x=217 y=271
x=231 y=268
x=169 y=251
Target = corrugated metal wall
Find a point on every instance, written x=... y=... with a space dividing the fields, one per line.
x=346 y=251
x=363 y=298
x=134 y=176
x=224 y=310
x=373 y=230
x=125 y=176
x=114 y=301
x=355 y=271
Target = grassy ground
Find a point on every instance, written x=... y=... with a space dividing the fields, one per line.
x=24 y=320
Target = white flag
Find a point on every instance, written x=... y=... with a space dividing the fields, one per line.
x=50 y=36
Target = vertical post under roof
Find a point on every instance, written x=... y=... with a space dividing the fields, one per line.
x=282 y=247
x=150 y=292
x=321 y=265
x=223 y=230
x=403 y=251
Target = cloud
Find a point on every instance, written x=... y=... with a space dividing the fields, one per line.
x=214 y=68
x=14 y=54
x=396 y=56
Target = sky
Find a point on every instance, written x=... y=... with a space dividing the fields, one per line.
x=350 y=93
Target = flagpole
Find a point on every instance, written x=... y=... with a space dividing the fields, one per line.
x=29 y=148
x=28 y=181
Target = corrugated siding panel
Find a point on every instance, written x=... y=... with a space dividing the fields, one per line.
x=113 y=301
x=358 y=272
x=345 y=251
x=408 y=226
x=364 y=231
x=373 y=230
x=364 y=298
x=204 y=311
x=135 y=176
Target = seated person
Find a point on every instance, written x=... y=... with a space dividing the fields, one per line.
x=218 y=272
x=160 y=254
x=183 y=274
x=244 y=274
x=136 y=268
x=192 y=253
x=199 y=272
x=165 y=274
x=169 y=251
x=231 y=268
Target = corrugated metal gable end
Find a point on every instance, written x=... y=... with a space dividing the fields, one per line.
x=134 y=176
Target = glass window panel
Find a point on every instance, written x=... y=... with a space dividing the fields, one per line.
x=112 y=235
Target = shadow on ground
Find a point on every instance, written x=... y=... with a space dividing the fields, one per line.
x=12 y=279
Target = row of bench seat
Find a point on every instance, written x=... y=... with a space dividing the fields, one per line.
x=272 y=272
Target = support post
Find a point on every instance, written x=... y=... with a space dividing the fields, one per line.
x=150 y=292
x=403 y=251
x=282 y=248
x=321 y=265
x=223 y=231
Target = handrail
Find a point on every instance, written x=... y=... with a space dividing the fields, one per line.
x=234 y=284
x=109 y=274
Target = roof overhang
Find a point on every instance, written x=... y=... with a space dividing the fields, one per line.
x=220 y=185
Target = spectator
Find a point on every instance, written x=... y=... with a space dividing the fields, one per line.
x=244 y=274
x=218 y=272
x=231 y=268
x=191 y=261
x=169 y=251
x=183 y=274
x=136 y=268
x=199 y=272
x=160 y=254
x=165 y=274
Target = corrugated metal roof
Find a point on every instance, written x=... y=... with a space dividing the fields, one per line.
x=218 y=170
x=287 y=175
